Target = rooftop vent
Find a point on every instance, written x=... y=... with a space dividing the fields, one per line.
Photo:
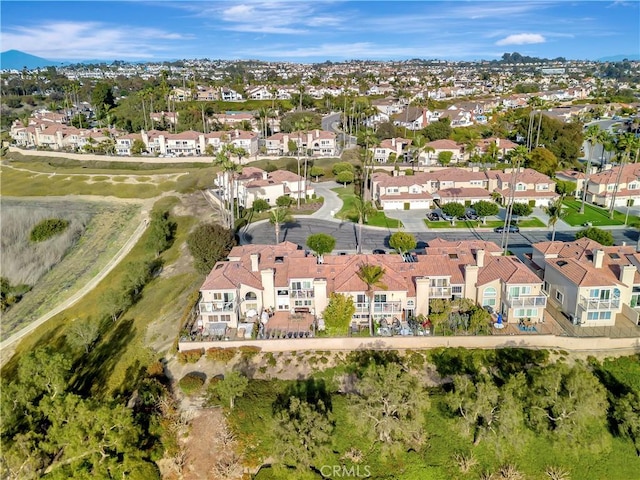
x=615 y=256
x=561 y=263
x=279 y=260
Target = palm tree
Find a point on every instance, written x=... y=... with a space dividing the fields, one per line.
x=277 y=217
x=367 y=139
x=556 y=212
x=229 y=168
x=519 y=156
x=592 y=136
x=419 y=146
x=301 y=127
x=372 y=276
x=625 y=145
x=362 y=209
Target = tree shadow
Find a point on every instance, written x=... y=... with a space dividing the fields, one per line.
x=312 y=391
x=359 y=360
x=93 y=370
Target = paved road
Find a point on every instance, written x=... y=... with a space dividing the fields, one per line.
x=330 y=123
x=345 y=234
x=90 y=285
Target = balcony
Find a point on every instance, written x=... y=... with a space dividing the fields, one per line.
x=380 y=308
x=301 y=293
x=440 y=292
x=599 y=304
x=212 y=307
x=527 y=301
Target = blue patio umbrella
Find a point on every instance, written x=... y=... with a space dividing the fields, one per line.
x=499 y=321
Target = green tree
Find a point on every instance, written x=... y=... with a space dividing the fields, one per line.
x=444 y=157
x=521 y=209
x=626 y=413
x=438 y=130
x=338 y=314
x=260 y=205
x=372 y=276
x=278 y=217
x=486 y=209
x=83 y=334
x=402 y=242
x=479 y=320
x=209 y=243
x=454 y=209
x=229 y=169
x=321 y=243
x=390 y=405
x=138 y=146
x=567 y=401
x=102 y=99
x=284 y=201
x=603 y=237
x=43 y=371
x=565 y=188
x=592 y=135
x=160 y=234
x=342 y=167
x=345 y=177
x=543 y=161
x=316 y=171
x=303 y=433
x=555 y=211
x=114 y=302
x=231 y=387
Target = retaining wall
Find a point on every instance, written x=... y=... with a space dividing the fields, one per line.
x=417 y=343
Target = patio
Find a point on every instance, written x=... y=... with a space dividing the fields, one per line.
x=289 y=325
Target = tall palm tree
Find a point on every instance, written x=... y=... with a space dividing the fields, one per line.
x=230 y=168
x=519 y=156
x=624 y=146
x=419 y=146
x=592 y=136
x=362 y=209
x=372 y=276
x=367 y=139
x=277 y=217
x=301 y=126
x=556 y=212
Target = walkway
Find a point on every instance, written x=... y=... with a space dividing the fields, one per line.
x=332 y=203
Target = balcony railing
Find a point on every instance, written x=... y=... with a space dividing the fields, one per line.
x=380 y=307
x=599 y=304
x=527 y=301
x=211 y=307
x=439 y=292
x=301 y=293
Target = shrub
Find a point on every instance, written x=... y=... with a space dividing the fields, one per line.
x=190 y=356
x=48 y=228
x=156 y=369
x=603 y=237
x=343 y=167
x=218 y=354
x=249 y=351
x=191 y=383
x=271 y=360
x=260 y=205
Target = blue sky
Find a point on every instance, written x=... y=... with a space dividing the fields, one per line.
x=312 y=31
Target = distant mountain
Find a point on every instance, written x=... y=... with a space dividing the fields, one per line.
x=619 y=58
x=17 y=60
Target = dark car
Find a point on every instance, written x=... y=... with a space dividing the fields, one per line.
x=471 y=216
x=433 y=216
x=512 y=229
x=379 y=251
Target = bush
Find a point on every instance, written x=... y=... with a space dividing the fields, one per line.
x=284 y=201
x=191 y=383
x=249 y=351
x=218 y=354
x=343 y=167
x=208 y=244
x=603 y=237
x=190 y=356
x=260 y=205
x=48 y=228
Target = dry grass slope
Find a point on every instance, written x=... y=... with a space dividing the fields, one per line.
x=25 y=262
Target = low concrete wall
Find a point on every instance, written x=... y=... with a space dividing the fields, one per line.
x=416 y=343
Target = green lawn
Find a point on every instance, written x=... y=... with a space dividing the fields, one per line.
x=528 y=223
x=379 y=219
x=595 y=215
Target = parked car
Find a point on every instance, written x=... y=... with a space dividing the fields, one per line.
x=471 y=215
x=379 y=251
x=433 y=216
x=446 y=217
x=512 y=229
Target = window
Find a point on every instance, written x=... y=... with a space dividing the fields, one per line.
x=520 y=187
x=489 y=297
x=525 y=312
x=304 y=285
x=283 y=293
x=456 y=289
x=250 y=296
x=522 y=290
x=381 y=298
x=545 y=286
x=559 y=297
x=302 y=303
x=439 y=282
x=361 y=298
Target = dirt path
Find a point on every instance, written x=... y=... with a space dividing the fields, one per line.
x=7 y=346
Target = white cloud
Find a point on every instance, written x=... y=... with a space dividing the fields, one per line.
x=91 y=40
x=521 y=39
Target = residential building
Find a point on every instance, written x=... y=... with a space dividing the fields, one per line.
x=319 y=143
x=283 y=278
x=411 y=118
x=397 y=146
x=444 y=145
x=620 y=184
x=530 y=186
x=589 y=283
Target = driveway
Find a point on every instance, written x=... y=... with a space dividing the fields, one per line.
x=413 y=220
x=332 y=203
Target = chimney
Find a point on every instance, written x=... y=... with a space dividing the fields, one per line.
x=393 y=142
x=598 y=257
x=627 y=274
x=255 y=258
x=480 y=258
